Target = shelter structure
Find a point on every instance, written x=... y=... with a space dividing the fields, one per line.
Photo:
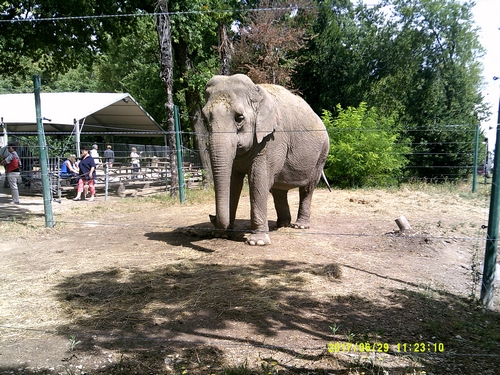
x=78 y=114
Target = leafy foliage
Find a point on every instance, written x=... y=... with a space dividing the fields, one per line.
x=267 y=47
x=420 y=64
x=57 y=146
x=60 y=44
x=365 y=149
x=132 y=66
x=329 y=75
x=444 y=152
x=79 y=79
x=439 y=89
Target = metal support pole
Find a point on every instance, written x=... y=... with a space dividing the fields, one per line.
x=4 y=136
x=476 y=152
x=47 y=195
x=490 y=256
x=77 y=137
x=106 y=185
x=179 y=153
x=165 y=155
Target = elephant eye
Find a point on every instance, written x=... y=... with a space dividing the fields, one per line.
x=239 y=119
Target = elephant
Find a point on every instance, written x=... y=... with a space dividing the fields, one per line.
x=274 y=137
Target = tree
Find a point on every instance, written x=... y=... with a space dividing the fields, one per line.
x=442 y=88
x=167 y=78
x=117 y=40
x=61 y=34
x=194 y=38
x=421 y=64
x=365 y=148
x=20 y=81
x=328 y=75
x=79 y=79
x=131 y=65
x=267 y=45
x=189 y=42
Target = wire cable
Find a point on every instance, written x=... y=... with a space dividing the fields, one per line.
x=154 y=14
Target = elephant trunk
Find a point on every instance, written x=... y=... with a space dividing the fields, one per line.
x=222 y=155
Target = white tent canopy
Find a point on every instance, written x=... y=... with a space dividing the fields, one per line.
x=95 y=113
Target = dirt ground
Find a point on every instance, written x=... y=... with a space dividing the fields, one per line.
x=141 y=286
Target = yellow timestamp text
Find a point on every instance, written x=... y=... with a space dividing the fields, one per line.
x=384 y=347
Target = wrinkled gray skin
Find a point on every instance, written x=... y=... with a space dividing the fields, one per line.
x=271 y=135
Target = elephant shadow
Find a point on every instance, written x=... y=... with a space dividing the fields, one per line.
x=194 y=236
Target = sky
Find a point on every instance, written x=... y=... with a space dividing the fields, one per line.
x=487 y=18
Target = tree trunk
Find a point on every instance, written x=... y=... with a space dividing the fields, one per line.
x=167 y=78
x=193 y=102
x=225 y=49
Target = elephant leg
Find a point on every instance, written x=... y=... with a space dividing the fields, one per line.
x=282 y=208
x=304 y=214
x=235 y=193
x=259 y=191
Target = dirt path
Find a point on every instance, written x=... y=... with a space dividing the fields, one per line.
x=141 y=286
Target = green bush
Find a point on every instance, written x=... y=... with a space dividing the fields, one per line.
x=365 y=148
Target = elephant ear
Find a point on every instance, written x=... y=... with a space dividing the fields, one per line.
x=267 y=117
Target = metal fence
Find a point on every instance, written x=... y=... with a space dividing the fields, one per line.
x=155 y=168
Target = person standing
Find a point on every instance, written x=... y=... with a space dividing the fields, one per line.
x=109 y=156
x=4 y=152
x=95 y=155
x=136 y=164
x=87 y=168
x=13 y=170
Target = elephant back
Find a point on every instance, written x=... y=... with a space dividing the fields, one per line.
x=293 y=109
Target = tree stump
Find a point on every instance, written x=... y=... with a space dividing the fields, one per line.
x=403 y=224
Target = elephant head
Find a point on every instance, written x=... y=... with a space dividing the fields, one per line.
x=240 y=115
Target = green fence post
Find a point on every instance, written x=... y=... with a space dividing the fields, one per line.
x=490 y=256
x=47 y=195
x=179 y=153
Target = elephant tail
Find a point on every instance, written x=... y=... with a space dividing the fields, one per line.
x=326 y=181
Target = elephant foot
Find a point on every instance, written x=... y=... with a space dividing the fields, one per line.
x=220 y=234
x=213 y=219
x=299 y=225
x=283 y=224
x=259 y=239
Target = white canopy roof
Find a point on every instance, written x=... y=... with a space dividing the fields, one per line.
x=95 y=112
